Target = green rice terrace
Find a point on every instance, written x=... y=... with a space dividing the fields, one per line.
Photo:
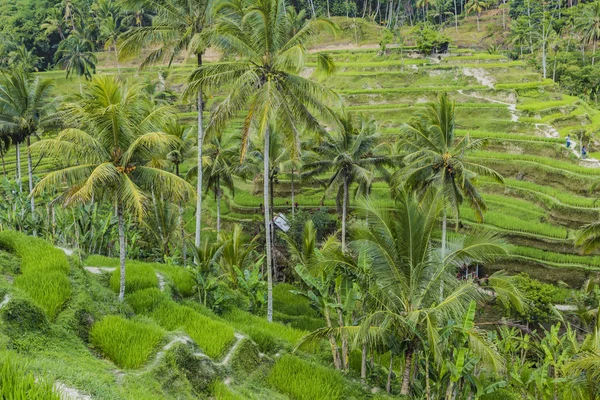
x=307 y=201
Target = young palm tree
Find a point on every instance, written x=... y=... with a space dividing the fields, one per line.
x=406 y=271
x=76 y=56
x=589 y=25
x=264 y=78
x=352 y=155
x=107 y=150
x=177 y=27
x=436 y=159
x=25 y=110
x=477 y=6
x=110 y=29
x=221 y=157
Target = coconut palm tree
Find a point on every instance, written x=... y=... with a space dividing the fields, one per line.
x=263 y=77
x=177 y=27
x=436 y=159
x=477 y=6
x=588 y=23
x=25 y=110
x=352 y=155
x=110 y=29
x=76 y=56
x=406 y=270
x=112 y=138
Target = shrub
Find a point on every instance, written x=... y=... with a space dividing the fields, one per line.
x=127 y=343
x=286 y=302
x=49 y=290
x=501 y=394
x=303 y=380
x=21 y=315
x=17 y=383
x=137 y=276
x=213 y=337
x=181 y=368
x=145 y=300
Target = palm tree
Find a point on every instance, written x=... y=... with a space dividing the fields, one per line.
x=351 y=155
x=184 y=150
x=477 y=6
x=55 y=22
x=589 y=25
x=264 y=78
x=177 y=27
x=25 y=110
x=75 y=55
x=222 y=155
x=436 y=159
x=110 y=29
x=113 y=137
x=406 y=271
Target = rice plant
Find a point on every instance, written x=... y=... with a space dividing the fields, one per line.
x=127 y=343
x=145 y=300
x=138 y=276
x=50 y=291
x=304 y=380
x=212 y=336
x=18 y=384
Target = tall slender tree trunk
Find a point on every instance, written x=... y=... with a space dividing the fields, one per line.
x=427 y=385
x=30 y=175
x=3 y=163
x=345 y=348
x=504 y=14
x=328 y=13
x=80 y=86
x=181 y=225
x=388 y=385
x=363 y=363
x=333 y=344
x=122 y=249
x=267 y=226
x=199 y=164
x=477 y=17
x=293 y=204
x=544 y=69
x=117 y=58
x=218 y=207
x=344 y=213
x=18 y=171
x=594 y=52
x=406 y=373
x=455 y=17
x=444 y=229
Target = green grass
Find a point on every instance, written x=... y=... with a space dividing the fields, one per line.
x=129 y=344
x=525 y=85
x=16 y=383
x=44 y=271
x=555 y=258
x=304 y=380
x=212 y=336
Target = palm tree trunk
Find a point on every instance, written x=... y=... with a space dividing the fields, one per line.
x=19 y=180
x=267 y=215
x=117 y=58
x=218 y=207
x=80 y=86
x=3 y=164
x=477 y=17
x=334 y=349
x=181 y=225
x=406 y=373
x=455 y=17
x=388 y=385
x=363 y=363
x=199 y=161
x=122 y=249
x=293 y=204
x=427 y=386
x=594 y=52
x=344 y=213
x=30 y=175
x=345 y=349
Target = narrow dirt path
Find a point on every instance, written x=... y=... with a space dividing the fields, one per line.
x=99 y=270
